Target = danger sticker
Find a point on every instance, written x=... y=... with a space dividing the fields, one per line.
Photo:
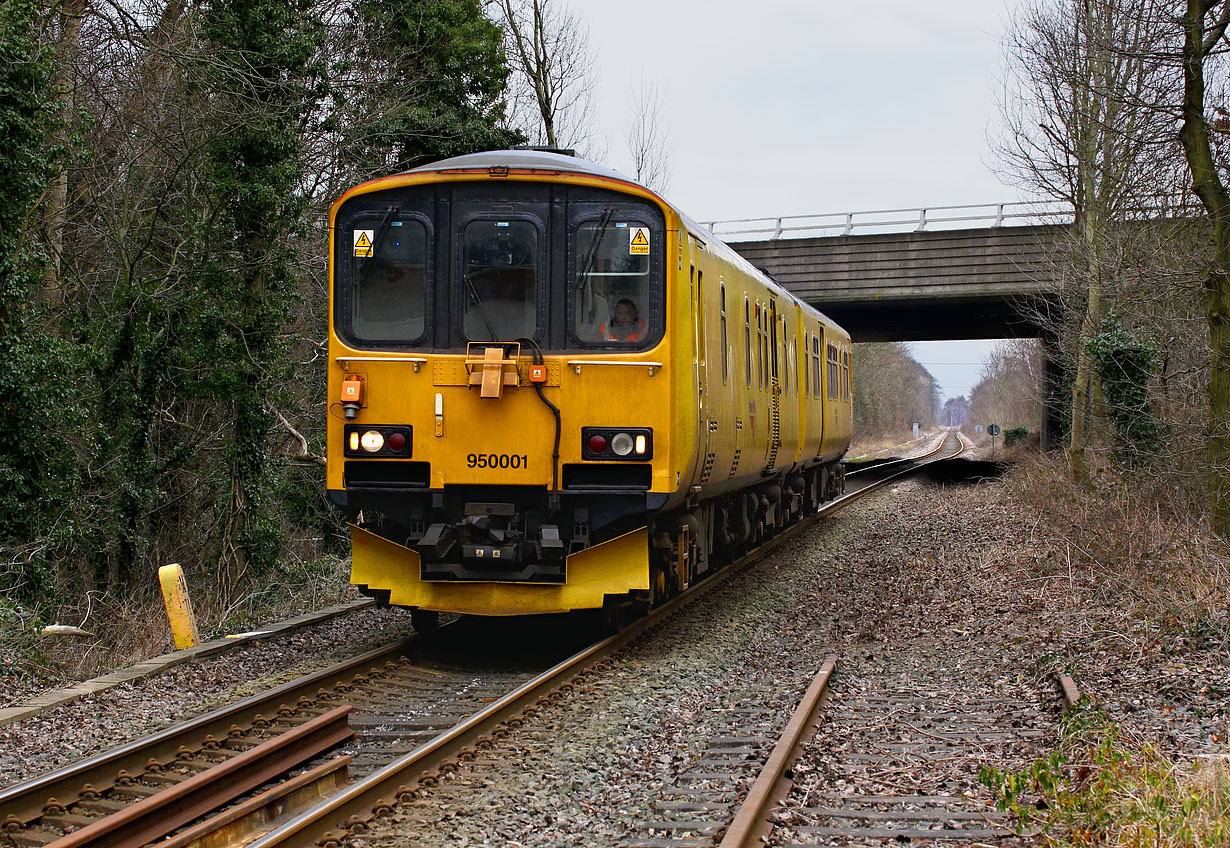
x=363 y=242
x=638 y=241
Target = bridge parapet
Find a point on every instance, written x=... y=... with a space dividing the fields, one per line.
x=917 y=219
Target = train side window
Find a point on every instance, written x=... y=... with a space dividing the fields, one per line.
x=815 y=365
x=390 y=281
x=845 y=375
x=725 y=365
x=806 y=363
x=791 y=364
x=833 y=374
x=759 y=347
x=785 y=356
x=499 y=270
x=747 y=339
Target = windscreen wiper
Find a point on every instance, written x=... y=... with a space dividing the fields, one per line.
x=482 y=310
x=588 y=265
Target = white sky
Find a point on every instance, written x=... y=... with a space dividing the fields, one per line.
x=786 y=107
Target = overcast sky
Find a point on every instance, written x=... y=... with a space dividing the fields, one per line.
x=785 y=107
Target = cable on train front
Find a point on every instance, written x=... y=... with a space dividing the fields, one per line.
x=501 y=419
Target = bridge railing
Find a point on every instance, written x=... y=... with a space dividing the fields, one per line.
x=920 y=219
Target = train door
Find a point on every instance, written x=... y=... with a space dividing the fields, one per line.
x=699 y=364
x=775 y=389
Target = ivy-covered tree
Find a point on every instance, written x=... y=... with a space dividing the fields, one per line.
x=263 y=85
x=427 y=81
x=35 y=467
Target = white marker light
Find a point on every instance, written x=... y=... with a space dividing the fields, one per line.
x=640 y=443
x=621 y=444
x=372 y=441
x=354 y=441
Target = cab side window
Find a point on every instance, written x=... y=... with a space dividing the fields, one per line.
x=611 y=295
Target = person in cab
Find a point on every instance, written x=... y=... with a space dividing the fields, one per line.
x=625 y=325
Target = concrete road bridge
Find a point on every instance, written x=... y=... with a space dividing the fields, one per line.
x=952 y=272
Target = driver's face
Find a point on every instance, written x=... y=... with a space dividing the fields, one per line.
x=624 y=314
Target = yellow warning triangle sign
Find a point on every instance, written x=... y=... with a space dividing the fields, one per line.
x=363 y=241
x=639 y=239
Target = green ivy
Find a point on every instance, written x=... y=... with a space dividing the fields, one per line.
x=35 y=465
x=1094 y=789
x=1016 y=436
x=263 y=78
x=1125 y=362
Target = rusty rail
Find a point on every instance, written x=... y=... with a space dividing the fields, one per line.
x=24 y=802
x=772 y=784
x=166 y=811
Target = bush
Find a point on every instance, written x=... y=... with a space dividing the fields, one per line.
x=1016 y=436
x=1099 y=788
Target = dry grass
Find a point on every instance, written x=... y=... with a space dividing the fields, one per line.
x=128 y=630
x=1129 y=543
x=1140 y=543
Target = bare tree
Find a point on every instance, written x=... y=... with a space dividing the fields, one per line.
x=1082 y=123
x=552 y=86
x=1010 y=389
x=648 y=136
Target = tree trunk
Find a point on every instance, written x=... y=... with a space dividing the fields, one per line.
x=56 y=210
x=1209 y=187
x=1219 y=388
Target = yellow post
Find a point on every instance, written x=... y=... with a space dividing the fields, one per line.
x=179 y=607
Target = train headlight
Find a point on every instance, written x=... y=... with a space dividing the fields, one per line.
x=377 y=440
x=617 y=443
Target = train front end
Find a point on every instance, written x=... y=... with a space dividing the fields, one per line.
x=501 y=404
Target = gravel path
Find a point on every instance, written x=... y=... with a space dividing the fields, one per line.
x=97 y=722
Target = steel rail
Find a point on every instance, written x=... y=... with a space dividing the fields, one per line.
x=926 y=455
x=246 y=820
x=24 y=802
x=164 y=812
x=381 y=790
x=751 y=825
x=772 y=785
x=875 y=484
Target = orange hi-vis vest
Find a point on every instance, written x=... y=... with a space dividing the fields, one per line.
x=624 y=334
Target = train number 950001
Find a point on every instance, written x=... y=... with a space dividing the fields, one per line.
x=497 y=460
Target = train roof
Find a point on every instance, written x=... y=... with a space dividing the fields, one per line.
x=523 y=159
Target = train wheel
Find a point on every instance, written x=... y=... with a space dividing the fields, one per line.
x=425 y=621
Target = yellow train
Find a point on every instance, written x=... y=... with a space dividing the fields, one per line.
x=551 y=391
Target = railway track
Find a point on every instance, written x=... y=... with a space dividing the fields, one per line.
x=891 y=753
x=380 y=705
x=407 y=723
